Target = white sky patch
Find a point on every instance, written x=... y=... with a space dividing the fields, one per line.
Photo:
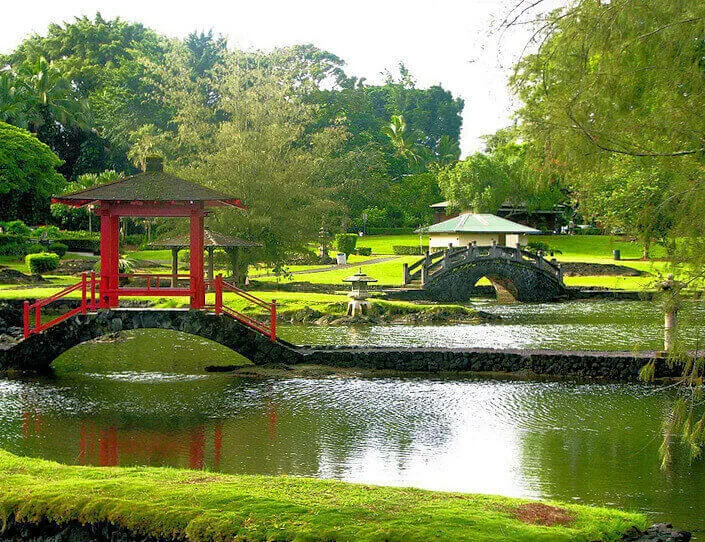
x=454 y=43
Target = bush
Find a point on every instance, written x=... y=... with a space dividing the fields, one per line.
x=46 y=232
x=134 y=239
x=363 y=251
x=16 y=227
x=81 y=245
x=409 y=250
x=59 y=248
x=12 y=245
x=389 y=231
x=345 y=242
x=34 y=248
x=592 y=230
x=42 y=262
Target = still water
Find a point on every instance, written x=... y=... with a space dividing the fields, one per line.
x=145 y=400
x=578 y=325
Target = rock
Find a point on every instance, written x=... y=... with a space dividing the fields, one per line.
x=661 y=532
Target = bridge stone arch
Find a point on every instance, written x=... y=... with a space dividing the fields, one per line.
x=516 y=275
x=37 y=352
x=513 y=281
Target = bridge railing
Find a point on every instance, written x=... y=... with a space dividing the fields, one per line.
x=451 y=257
x=32 y=313
x=148 y=284
x=268 y=328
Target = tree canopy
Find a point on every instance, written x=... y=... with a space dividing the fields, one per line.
x=27 y=173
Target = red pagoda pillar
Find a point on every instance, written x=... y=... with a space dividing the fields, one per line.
x=197 y=284
x=109 y=256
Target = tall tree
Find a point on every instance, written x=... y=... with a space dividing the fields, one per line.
x=28 y=175
x=612 y=98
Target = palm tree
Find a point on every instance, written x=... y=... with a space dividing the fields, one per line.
x=12 y=98
x=51 y=98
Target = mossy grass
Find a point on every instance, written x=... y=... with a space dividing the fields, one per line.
x=198 y=505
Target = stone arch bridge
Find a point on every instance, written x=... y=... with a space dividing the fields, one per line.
x=517 y=275
x=37 y=352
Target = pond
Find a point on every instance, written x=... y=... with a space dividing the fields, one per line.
x=146 y=400
x=577 y=325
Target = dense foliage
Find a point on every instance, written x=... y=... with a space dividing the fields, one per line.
x=613 y=99
x=28 y=174
x=290 y=122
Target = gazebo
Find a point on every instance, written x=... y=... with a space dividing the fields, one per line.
x=151 y=193
x=212 y=240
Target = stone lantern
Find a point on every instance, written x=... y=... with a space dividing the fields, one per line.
x=358 y=303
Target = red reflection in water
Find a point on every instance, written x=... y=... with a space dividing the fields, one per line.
x=108 y=447
x=218 y=446
x=196 y=448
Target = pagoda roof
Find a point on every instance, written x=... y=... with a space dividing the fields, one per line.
x=478 y=223
x=153 y=185
x=210 y=239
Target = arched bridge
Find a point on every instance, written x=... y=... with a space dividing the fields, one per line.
x=517 y=275
x=39 y=350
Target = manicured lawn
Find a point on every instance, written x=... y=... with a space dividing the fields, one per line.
x=595 y=248
x=382 y=244
x=198 y=505
x=387 y=273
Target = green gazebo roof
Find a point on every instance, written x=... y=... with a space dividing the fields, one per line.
x=478 y=223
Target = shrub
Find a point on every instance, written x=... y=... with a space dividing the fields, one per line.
x=16 y=227
x=46 y=232
x=12 y=245
x=34 y=248
x=592 y=230
x=363 y=251
x=345 y=242
x=81 y=244
x=42 y=262
x=59 y=248
x=389 y=231
x=409 y=250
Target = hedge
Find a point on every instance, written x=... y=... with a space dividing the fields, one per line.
x=409 y=250
x=59 y=248
x=42 y=262
x=389 y=231
x=81 y=245
x=363 y=251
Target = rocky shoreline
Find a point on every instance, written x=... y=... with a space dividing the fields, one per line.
x=73 y=531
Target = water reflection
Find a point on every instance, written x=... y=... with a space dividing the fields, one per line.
x=577 y=325
x=595 y=443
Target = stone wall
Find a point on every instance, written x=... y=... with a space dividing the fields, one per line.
x=623 y=366
x=37 y=353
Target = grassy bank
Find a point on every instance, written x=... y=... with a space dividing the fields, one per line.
x=205 y=506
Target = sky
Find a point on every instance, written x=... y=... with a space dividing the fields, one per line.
x=457 y=44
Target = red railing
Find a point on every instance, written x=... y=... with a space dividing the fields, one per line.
x=87 y=286
x=269 y=329
x=155 y=284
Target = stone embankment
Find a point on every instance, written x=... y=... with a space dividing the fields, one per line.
x=73 y=531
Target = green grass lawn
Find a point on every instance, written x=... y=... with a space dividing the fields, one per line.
x=197 y=505
x=595 y=248
x=387 y=273
x=382 y=244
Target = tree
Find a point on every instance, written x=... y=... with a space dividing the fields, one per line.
x=28 y=175
x=77 y=218
x=619 y=79
x=612 y=99
x=504 y=173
